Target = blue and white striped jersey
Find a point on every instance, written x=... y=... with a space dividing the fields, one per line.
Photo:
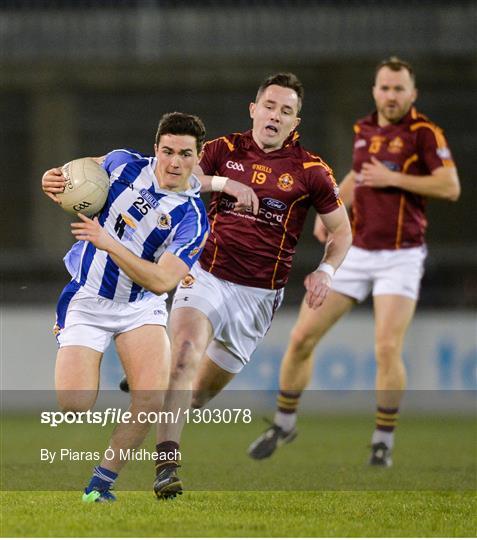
x=146 y=219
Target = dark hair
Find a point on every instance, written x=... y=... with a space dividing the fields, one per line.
x=286 y=80
x=177 y=123
x=396 y=64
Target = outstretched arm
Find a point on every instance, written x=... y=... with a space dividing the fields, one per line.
x=158 y=277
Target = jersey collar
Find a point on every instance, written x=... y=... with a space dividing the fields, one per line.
x=406 y=119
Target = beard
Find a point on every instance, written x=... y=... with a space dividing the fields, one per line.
x=394 y=113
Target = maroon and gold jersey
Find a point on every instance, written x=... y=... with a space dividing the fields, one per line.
x=258 y=250
x=392 y=218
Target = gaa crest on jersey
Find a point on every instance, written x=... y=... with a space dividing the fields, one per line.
x=187 y=282
x=164 y=221
x=235 y=166
x=285 y=182
x=396 y=145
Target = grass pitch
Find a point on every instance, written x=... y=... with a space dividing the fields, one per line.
x=243 y=514
x=317 y=486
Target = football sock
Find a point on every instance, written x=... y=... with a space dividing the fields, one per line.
x=165 y=450
x=102 y=479
x=287 y=404
x=386 y=422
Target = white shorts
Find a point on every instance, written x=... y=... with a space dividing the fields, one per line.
x=385 y=271
x=89 y=320
x=240 y=315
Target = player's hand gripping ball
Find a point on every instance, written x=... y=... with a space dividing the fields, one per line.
x=86 y=189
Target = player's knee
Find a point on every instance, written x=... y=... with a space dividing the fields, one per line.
x=76 y=401
x=182 y=369
x=74 y=408
x=147 y=401
x=184 y=348
x=388 y=352
x=302 y=342
x=185 y=357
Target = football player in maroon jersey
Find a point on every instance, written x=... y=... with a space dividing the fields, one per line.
x=399 y=159
x=225 y=306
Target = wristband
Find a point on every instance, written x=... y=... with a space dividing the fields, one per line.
x=327 y=269
x=218 y=183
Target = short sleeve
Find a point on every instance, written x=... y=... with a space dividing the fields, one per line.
x=72 y=259
x=210 y=158
x=358 y=142
x=324 y=190
x=116 y=158
x=191 y=234
x=433 y=148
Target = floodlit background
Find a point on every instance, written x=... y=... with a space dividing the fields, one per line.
x=83 y=77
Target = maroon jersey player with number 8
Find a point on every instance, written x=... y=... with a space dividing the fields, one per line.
x=399 y=158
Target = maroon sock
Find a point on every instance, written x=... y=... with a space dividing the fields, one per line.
x=386 y=419
x=167 y=454
x=287 y=402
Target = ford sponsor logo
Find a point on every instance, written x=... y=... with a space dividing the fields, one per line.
x=274 y=203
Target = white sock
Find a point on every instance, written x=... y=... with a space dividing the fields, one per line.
x=285 y=421
x=387 y=437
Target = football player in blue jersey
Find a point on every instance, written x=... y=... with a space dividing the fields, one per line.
x=144 y=241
